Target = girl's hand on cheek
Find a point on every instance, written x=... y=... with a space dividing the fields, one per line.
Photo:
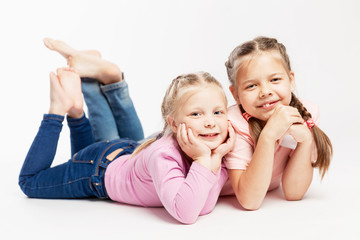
x=228 y=145
x=280 y=121
x=190 y=145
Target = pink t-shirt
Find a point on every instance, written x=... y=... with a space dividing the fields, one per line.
x=162 y=175
x=240 y=156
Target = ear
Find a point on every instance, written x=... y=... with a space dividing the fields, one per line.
x=234 y=94
x=172 y=124
x=292 y=81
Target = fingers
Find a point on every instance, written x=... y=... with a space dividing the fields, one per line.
x=191 y=137
x=186 y=135
x=231 y=139
x=290 y=113
x=231 y=130
x=181 y=136
x=226 y=147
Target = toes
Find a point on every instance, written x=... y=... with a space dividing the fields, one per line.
x=53 y=77
x=59 y=71
x=59 y=46
x=48 y=43
x=54 y=81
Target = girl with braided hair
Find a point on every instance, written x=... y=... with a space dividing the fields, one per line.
x=267 y=116
x=181 y=169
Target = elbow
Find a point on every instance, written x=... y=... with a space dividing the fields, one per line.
x=250 y=202
x=185 y=217
x=293 y=196
x=250 y=206
x=187 y=220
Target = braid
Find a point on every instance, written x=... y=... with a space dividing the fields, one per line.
x=322 y=141
x=295 y=102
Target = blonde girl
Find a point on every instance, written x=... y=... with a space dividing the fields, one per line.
x=181 y=169
x=266 y=116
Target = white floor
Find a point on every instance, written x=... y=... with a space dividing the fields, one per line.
x=153 y=42
x=329 y=211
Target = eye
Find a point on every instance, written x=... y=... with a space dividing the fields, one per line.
x=250 y=86
x=275 y=79
x=195 y=114
x=218 y=112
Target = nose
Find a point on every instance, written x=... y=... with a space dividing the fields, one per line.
x=209 y=122
x=265 y=90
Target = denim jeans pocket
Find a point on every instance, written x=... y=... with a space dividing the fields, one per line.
x=87 y=155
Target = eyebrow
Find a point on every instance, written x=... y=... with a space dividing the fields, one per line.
x=279 y=73
x=253 y=80
x=201 y=107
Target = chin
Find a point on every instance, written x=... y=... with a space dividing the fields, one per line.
x=212 y=145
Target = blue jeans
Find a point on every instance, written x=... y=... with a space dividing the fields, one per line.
x=111 y=111
x=83 y=175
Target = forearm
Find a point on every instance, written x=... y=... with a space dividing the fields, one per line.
x=298 y=173
x=186 y=200
x=254 y=182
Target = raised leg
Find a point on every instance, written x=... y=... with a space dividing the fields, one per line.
x=110 y=109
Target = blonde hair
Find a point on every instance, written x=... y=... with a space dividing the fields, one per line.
x=264 y=44
x=171 y=101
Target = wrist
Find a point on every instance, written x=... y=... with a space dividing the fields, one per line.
x=266 y=137
x=204 y=161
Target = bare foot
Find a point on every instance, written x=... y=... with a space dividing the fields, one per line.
x=71 y=84
x=60 y=103
x=86 y=63
x=94 y=67
x=65 y=50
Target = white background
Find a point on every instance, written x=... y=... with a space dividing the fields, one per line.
x=153 y=42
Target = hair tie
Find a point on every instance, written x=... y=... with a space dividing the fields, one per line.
x=160 y=135
x=310 y=123
x=246 y=116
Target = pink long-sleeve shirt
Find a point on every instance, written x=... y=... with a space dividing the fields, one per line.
x=162 y=175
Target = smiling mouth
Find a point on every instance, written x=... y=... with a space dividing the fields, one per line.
x=268 y=105
x=209 y=135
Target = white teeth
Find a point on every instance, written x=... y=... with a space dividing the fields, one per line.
x=266 y=105
x=209 y=135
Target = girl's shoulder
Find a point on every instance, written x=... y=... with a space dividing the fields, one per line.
x=165 y=154
x=237 y=119
x=165 y=144
x=165 y=147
